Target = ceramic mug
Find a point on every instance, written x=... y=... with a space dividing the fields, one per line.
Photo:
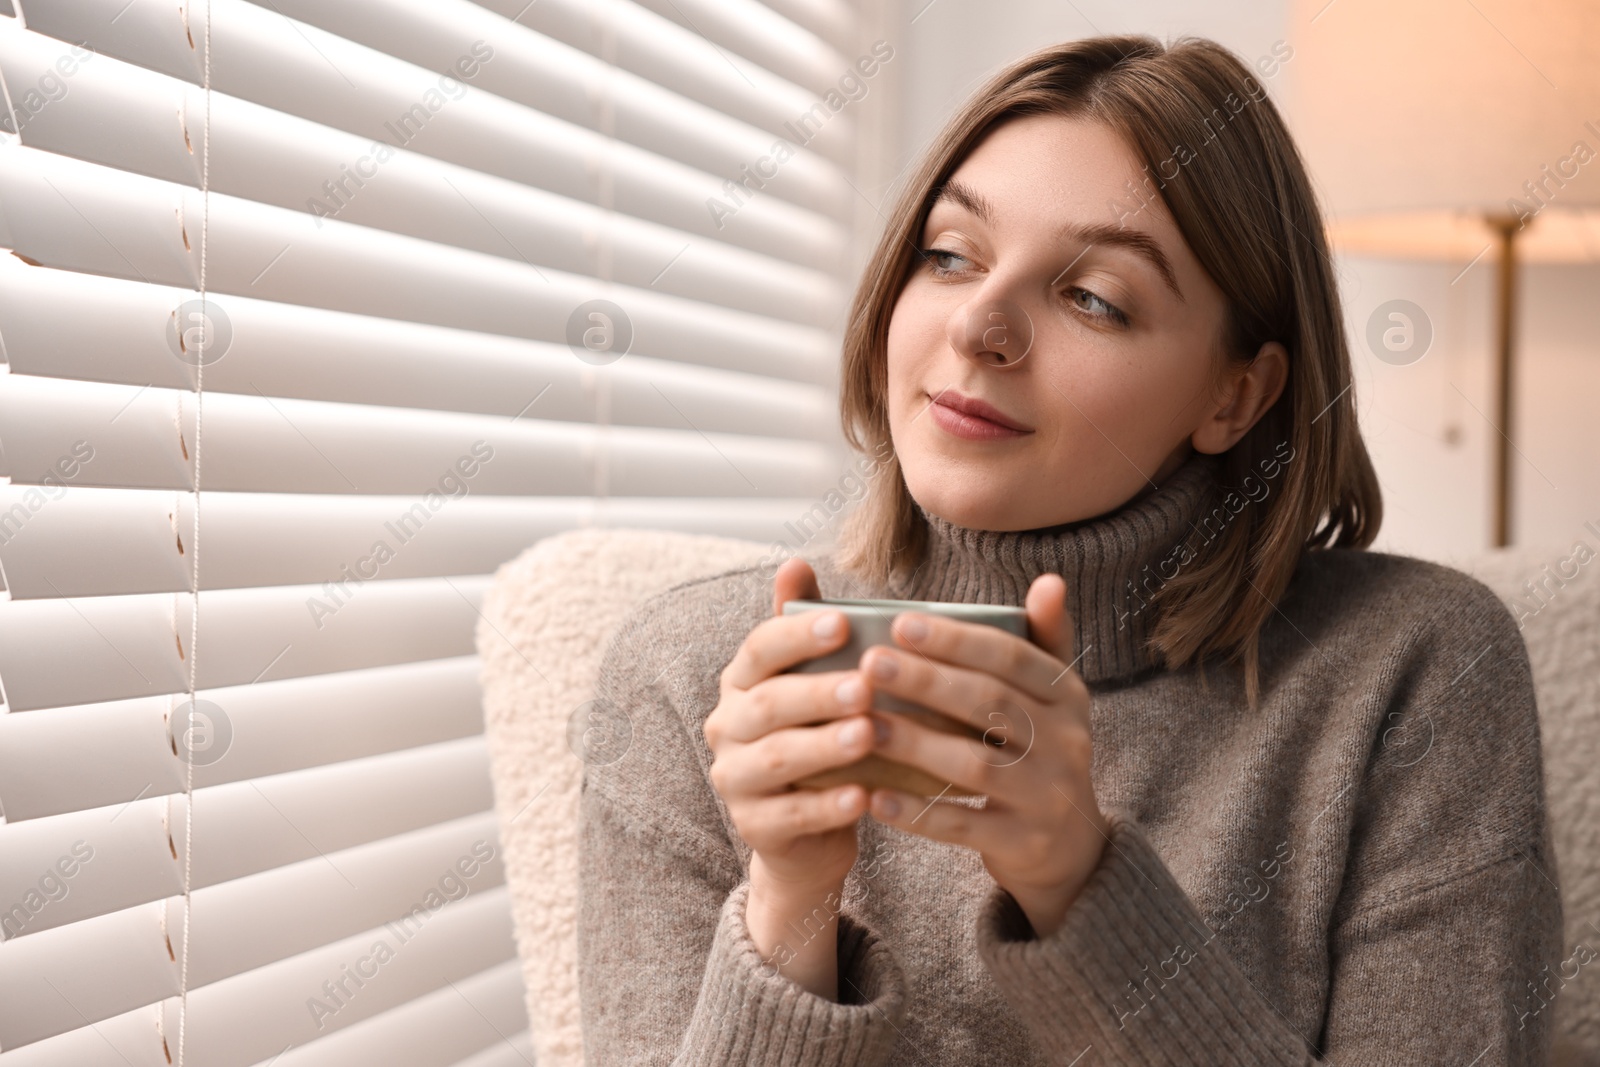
x=869 y=625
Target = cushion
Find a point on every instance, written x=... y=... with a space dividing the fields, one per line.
x=545 y=623
x=1556 y=598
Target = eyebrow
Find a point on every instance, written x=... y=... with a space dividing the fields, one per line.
x=967 y=197
x=1139 y=243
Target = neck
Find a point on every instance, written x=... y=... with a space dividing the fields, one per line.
x=1113 y=565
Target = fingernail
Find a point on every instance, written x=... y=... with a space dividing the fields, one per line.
x=847 y=800
x=850 y=734
x=884 y=667
x=828 y=625
x=890 y=806
x=849 y=691
x=880 y=729
x=914 y=628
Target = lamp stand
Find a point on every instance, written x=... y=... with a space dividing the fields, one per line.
x=1505 y=227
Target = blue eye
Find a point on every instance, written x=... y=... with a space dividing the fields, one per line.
x=931 y=256
x=1096 y=307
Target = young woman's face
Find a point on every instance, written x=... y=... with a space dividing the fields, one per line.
x=1040 y=231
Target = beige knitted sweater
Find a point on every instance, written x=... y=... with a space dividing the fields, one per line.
x=1357 y=872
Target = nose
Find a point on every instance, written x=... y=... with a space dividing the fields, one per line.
x=995 y=331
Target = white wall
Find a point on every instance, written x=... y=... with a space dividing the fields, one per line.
x=954 y=44
x=1429 y=424
x=1431 y=445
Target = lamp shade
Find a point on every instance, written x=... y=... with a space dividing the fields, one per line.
x=1419 y=118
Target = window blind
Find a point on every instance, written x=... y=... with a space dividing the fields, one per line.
x=325 y=325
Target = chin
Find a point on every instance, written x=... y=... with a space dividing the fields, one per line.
x=980 y=500
x=985 y=510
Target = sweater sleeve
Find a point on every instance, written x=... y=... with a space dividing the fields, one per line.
x=1130 y=919
x=667 y=970
x=1448 y=915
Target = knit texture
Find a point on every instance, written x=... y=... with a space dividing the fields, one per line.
x=1111 y=566
x=1357 y=871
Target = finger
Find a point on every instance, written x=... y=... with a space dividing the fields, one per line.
x=969 y=697
x=979 y=647
x=794 y=580
x=776 y=761
x=796 y=700
x=1049 y=625
x=955 y=823
x=777 y=820
x=975 y=765
x=783 y=641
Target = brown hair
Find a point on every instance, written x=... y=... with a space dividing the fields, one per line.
x=1246 y=208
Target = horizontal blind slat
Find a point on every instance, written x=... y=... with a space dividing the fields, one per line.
x=831 y=20
x=261 y=1013
x=92 y=970
x=77 y=541
x=760 y=35
x=567 y=83
x=257 y=1013
x=483 y=1018
x=66 y=213
x=514 y=1051
x=300 y=70
x=287 y=350
x=55 y=653
x=110 y=435
x=123 y=116
x=59 y=760
x=132 y=1040
x=676 y=57
x=133 y=853
x=288 y=817
x=404 y=882
x=110 y=859
x=98 y=967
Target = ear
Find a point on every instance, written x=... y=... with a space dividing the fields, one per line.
x=1247 y=394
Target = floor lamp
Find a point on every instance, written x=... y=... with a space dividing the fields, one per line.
x=1454 y=130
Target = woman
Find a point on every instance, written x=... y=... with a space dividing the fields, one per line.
x=1282 y=799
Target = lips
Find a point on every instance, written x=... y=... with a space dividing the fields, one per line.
x=972 y=407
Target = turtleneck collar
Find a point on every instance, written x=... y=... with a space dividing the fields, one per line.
x=1111 y=565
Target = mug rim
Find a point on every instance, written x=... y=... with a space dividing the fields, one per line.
x=935 y=607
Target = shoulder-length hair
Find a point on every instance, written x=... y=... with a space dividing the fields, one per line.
x=1219 y=157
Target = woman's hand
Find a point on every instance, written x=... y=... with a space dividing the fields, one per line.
x=1041 y=832
x=803 y=841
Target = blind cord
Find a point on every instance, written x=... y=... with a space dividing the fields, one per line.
x=608 y=127
x=194 y=546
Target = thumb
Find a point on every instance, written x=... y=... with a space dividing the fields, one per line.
x=794 y=580
x=1049 y=625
